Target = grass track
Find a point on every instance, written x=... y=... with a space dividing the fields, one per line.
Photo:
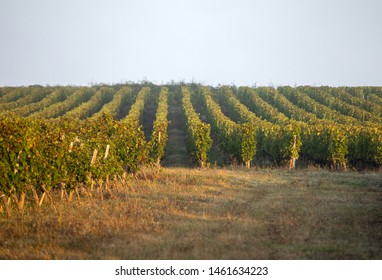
x=176 y=154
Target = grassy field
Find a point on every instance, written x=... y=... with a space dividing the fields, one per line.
x=183 y=213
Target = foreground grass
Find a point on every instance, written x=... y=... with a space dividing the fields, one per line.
x=208 y=214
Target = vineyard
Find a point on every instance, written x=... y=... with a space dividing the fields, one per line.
x=65 y=137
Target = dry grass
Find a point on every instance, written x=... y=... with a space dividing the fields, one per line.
x=208 y=214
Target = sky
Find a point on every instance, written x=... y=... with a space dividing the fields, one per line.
x=241 y=42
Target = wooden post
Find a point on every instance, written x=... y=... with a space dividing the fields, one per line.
x=106 y=151
x=91 y=185
x=42 y=199
x=107 y=182
x=94 y=157
x=47 y=192
x=292 y=163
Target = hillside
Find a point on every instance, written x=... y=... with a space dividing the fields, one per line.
x=190 y=172
x=337 y=127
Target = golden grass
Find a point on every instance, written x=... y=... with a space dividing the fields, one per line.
x=181 y=213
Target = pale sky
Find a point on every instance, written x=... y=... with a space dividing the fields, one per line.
x=279 y=42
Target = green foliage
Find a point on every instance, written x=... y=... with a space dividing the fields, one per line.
x=199 y=138
x=159 y=135
x=112 y=107
x=280 y=142
x=93 y=105
x=46 y=153
x=58 y=109
x=237 y=139
x=325 y=143
x=136 y=109
x=365 y=145
x=260 y=107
